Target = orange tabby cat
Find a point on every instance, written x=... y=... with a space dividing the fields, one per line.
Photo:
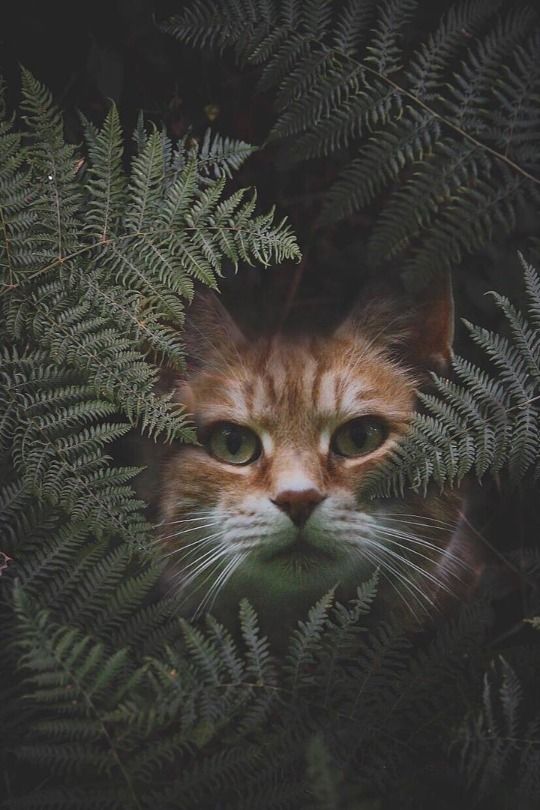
x=270 y=504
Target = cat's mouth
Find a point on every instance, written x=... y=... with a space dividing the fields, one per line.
x=301 y=550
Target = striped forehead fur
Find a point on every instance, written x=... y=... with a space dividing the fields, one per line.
x=303 y=376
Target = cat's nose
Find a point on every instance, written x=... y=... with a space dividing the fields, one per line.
x=298 y=504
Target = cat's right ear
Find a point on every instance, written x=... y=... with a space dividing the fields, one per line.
x=210 y=332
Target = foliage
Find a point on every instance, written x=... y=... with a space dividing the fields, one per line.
x=444 y=131
x=184 y=726
x=99 y=252
x=108 y=700
x=500 y=744
x=97 y=265
x=484 y=422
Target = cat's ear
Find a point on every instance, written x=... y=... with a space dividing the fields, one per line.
x=210 y=336
x=418 y=329
x=209 y=331
x=432 y=325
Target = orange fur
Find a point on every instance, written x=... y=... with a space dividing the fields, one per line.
x=222 y=520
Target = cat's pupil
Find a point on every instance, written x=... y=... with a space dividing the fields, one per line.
x=359 y=434
x=233 y=441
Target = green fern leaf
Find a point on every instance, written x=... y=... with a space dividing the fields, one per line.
x=106 y=185
x=484 y=422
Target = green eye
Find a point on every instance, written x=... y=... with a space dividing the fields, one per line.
x=233 y=444
x=359 y=437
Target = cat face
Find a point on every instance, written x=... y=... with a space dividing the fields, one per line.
x=271 y=500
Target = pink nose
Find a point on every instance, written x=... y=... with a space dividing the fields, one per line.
x=298 y=504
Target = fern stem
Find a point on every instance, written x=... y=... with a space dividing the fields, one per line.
x=289 y=692
x=112 y=240
x=362 y=67
x=446 y=121
x=505 y=561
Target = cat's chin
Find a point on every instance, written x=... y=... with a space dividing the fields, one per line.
x=301 y=550
x=301 y=566
x=283 y=588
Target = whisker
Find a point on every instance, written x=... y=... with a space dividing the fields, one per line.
x=205 y=556
x=187 y=515
x=239 y=560
x=211 y=573
x=414 y=538
x=393 y=537
x=191 y=529
x=382 y=564
x=187 y=519
x=377 y=557
x=422 y=542
x=196 y=543
x=215 y=585
x=383 y=550
x=189 y=587
x=198 y=572
x=443 y=524
x=422 y=571
x=218 y=584
x=432 y=527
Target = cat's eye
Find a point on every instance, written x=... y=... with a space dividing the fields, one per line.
x=359 y=437
x=233 y=444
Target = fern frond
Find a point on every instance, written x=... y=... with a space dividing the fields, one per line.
x=437 y=54
x=77 y=680
x=466 y=98
x=305 y=639
x=385 y=52
x=59 y=458
x=352 y=26
x=502 y=738
x=106 y=184
x=417 y=204
x=210 y=24
x=381 y=162
x=454 y=115
x=486 y=421
x=18 y=514
x=94 y=347
x=259 y=661
x=56 y=195
x=144 y=192
x=17 y=221
x=220 y=155
x=515 y=125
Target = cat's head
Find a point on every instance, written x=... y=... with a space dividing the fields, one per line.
x=270 y=501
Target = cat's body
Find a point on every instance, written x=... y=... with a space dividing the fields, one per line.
x=270 y=504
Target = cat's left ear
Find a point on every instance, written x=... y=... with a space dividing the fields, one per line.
x=418 y=329
x=432 y=325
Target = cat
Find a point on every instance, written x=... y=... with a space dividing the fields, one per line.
x=269 y=505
